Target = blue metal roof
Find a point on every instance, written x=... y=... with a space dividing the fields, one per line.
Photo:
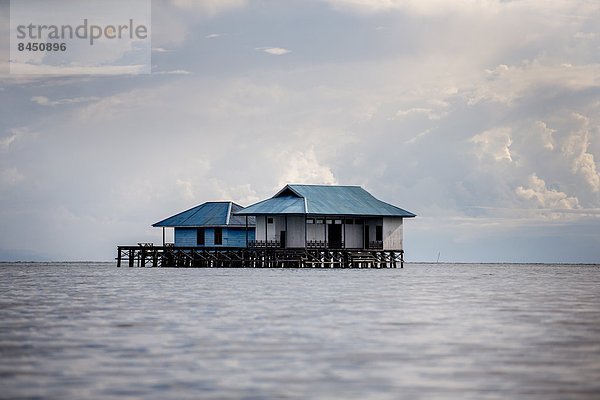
x=219 y=213
x=281 y=205
x=325 y=200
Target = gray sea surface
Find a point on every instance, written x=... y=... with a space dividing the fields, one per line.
x=428 y=331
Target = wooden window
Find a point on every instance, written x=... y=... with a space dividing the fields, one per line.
x=379 y=233
x=269 y=220
x=349 y=222
x=218 y=236
x=310 y=221
x=200 y=237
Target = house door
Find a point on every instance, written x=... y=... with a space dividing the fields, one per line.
x=366 y=237
x=334 y=236
x=282 y=239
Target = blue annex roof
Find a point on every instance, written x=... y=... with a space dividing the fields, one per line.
x=325 y=200
x=219 y=213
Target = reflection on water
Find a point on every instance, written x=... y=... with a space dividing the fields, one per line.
x=426 y=331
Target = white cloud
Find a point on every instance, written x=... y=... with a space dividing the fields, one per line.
x=419 y=7
x=545 y=134
x=411 y=111
x=505 y=84
x=495 y=143
x=304 y=167
x=41 y=100
x=15 y=135
x=427 y=112
x=540 y=195
x=585 y=35
x=45 y=101
x=417 y=137
x=276 y=51
x=173 y=72
x=186 y=188
x=7 y=141
x=243 y=194
x=244 y=98
x=209 y=7
x=366 y=5
x=113 y=107
x=213 y=36
x=37 y=69
x=160 y=50
x=575 y=148
x=10 y=176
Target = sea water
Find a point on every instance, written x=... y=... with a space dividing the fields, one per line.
x=428 y=331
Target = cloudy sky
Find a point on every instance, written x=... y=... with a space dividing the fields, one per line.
x=480 y=116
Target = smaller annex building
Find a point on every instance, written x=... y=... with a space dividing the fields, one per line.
x=327 y=216
x=211 y=224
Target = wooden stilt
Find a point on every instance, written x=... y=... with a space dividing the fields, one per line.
x=263 y=257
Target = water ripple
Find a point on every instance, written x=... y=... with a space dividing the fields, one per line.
x=427 y=331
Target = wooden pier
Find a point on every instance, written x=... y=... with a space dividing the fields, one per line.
x=147 y=255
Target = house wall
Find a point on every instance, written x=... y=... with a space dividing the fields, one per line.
x=351 y=234
x=316 y=232
x=232 y=237
x=273 y=229
x=372 y=223
x=295 y=231
x=276 y=227
x=392 y=233
x=236 y=237
x=261 y=223
x=260 y=228
x=209 y=237
x=185 y=237
x=354 y=236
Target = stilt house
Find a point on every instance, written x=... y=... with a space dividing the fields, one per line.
x=325 y=216
x=212 y=224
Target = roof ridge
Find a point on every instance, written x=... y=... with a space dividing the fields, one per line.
x=228 y=212
x=286 y=187
x=322 y=185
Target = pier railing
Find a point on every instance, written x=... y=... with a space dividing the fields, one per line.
x=233 y=257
